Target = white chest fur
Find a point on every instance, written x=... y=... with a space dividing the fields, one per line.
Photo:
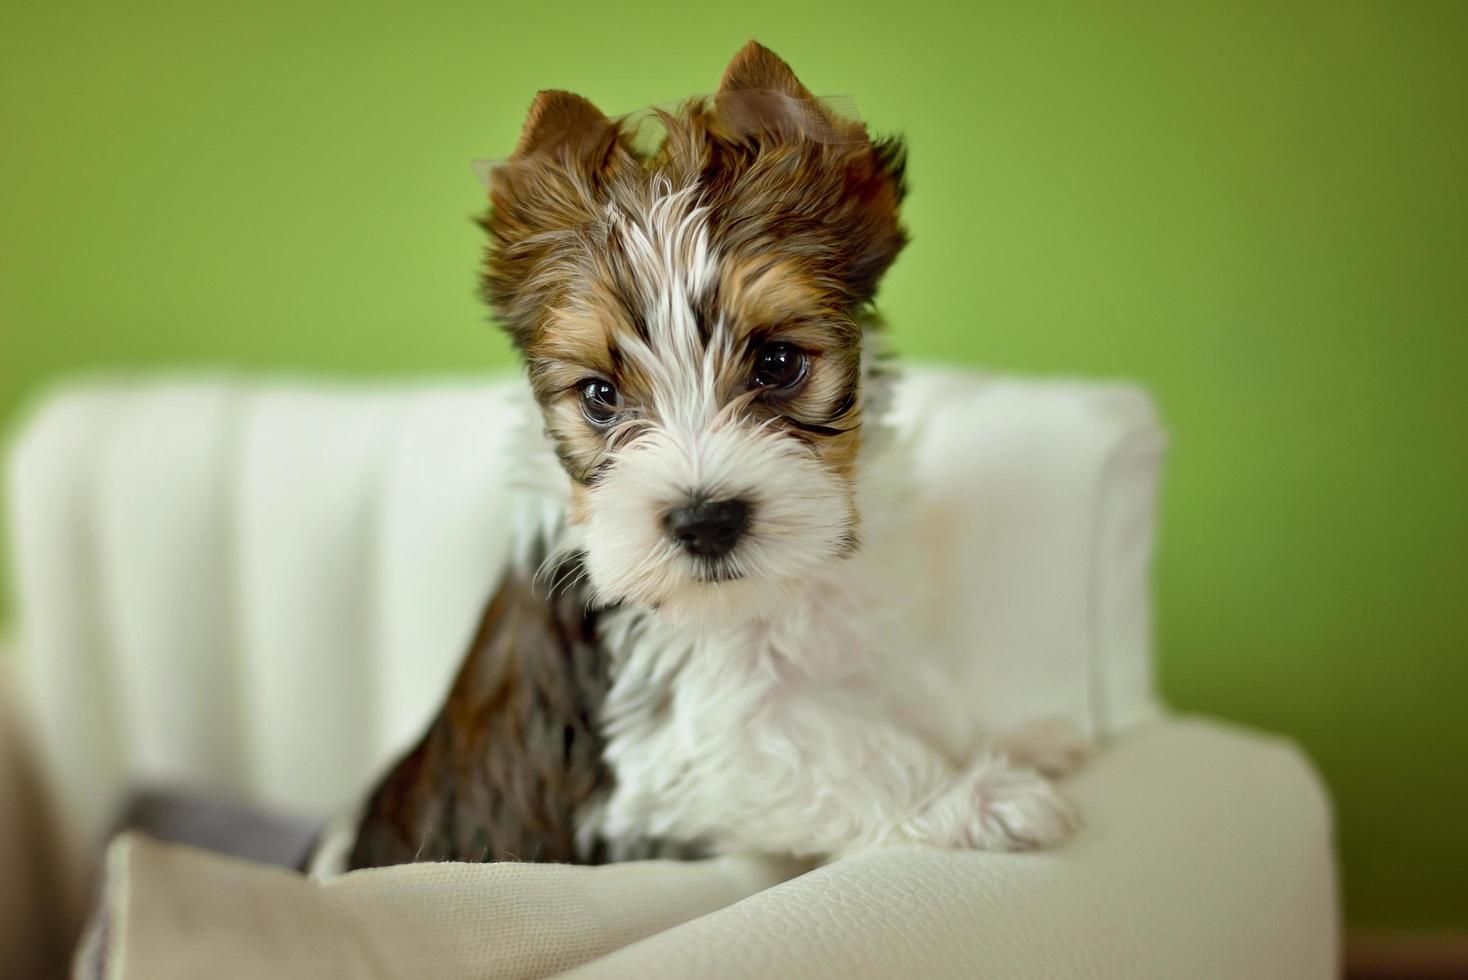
x=770 y=733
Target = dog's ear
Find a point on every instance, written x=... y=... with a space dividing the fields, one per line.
x=757 y=67
x=540 y=198
x=761 y=101
x=782 y=149
x=563 y=125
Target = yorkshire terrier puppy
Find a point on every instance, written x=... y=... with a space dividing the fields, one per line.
x=712 y=645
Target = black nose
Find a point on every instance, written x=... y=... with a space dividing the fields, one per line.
x=708 y=528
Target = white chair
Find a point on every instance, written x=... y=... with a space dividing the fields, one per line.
x=260 y=589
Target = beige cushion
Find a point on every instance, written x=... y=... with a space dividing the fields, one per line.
x=1207 y=855
x=174 y=912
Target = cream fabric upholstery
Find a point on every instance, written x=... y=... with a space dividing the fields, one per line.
x=1206 y=855
x=262 y=588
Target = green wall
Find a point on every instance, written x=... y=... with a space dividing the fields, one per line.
x=1259 y=210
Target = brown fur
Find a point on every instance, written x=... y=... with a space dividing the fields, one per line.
x=802 y=204
x=514 y=753
x=802 y=209
x=829 y=204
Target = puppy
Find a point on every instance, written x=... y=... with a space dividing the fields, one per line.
x=714 y=642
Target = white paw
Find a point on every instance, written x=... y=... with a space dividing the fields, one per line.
x=1000 y=808
x=1053 y=746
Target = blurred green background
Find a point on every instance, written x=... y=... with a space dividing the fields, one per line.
x=1260 y=210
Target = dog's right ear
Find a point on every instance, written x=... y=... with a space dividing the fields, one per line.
x=540 y=198
x=565 y=126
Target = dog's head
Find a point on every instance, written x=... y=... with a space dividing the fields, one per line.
x=692 y=322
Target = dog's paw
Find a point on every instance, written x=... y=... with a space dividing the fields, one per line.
x=1054 y=747
x=996 y=807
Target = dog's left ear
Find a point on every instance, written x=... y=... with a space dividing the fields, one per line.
x=757 y=67
x=760 y=100
x=856 y=183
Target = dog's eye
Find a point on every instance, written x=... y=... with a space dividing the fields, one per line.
x=600 y=402
x=780 y=365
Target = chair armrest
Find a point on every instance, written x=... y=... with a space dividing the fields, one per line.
x=1207 y=853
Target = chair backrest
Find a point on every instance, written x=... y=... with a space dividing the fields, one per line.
x=261 y=588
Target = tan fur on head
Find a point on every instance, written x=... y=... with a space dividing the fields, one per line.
x=760 y=219
x=831 y=204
